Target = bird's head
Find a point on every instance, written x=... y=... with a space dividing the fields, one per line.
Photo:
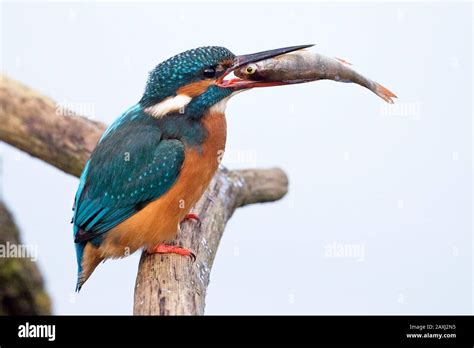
x=196 y=80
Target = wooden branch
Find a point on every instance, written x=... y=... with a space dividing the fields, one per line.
x=36 y=124
x=166 y=284
x=21 y=284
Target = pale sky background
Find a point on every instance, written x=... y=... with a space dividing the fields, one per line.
x=394 y=182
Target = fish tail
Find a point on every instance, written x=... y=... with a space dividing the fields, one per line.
x=383 y=93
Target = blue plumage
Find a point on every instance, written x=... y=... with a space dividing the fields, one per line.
x=132 y=166
x=139 y=157
x=180 y=70
x=124 y=173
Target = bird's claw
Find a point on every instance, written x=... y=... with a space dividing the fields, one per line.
x=172 y=249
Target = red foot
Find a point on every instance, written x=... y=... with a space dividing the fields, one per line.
x=172 y=249
x=192 y=216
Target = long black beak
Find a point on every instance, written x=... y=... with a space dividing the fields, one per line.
x=255 y=57
x=251 y=58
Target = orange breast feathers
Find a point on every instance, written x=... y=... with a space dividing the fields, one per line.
x=158 y=221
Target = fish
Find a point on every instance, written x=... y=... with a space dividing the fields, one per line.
x=306 y=66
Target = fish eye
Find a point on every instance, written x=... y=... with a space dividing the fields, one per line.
x=209 y=72
x=249 y=70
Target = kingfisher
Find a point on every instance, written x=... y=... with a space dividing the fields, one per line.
x=155 y=161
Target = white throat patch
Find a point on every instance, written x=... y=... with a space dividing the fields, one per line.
x=168 y=105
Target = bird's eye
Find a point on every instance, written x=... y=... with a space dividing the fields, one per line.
x=209 y=72
x=250 y=69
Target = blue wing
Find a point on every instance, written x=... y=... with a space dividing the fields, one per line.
x=131 y=166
